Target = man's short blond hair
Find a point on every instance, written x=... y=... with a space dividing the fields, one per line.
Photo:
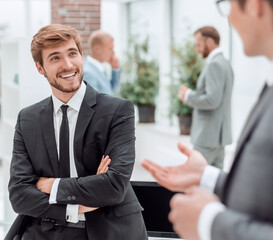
x=97 y=38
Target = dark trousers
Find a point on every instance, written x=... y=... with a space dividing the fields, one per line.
x=34 y=232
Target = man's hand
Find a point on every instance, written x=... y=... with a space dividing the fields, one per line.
x=186 y=209
x=84 y=209
x=104 y=163
x=45 y=184
x=114 y=62
x=182 y=93
x=103 y=168
x=178 y=178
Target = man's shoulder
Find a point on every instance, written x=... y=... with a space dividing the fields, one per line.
x=219 y=59
x=112 y=104
x=89 y=66
x=36 y=107
x=112 y=100
x=219 y=62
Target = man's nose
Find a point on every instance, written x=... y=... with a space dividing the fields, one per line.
x=67 y=63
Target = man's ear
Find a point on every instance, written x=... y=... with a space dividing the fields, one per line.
x=97 y=49
x=210 y=43
x=40 y=68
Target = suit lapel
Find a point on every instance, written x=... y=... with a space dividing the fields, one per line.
x=49 y=135
x=255 y=115
x=85 y=115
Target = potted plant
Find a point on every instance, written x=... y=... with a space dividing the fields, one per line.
x=140 y=80
x=187 y=68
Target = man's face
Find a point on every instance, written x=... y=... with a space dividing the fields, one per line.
x=246 y=26
x=107 y=50
x=201 y=45
x=63 y=67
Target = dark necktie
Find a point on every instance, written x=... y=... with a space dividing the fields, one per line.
x=64 y=145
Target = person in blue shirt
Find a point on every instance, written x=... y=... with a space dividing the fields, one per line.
x=102 y=50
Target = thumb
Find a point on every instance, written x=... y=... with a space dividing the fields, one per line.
x=184 y=149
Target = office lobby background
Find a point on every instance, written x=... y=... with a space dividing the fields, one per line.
x=165 y=22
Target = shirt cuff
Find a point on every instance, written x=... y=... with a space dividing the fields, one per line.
x=206 y=218
x=54 y=189
x=72 y=214
x=209 y=178
x=187 y=94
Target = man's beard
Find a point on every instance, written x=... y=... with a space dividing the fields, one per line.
x=62 y=89
x=58 y=86
x=206 y=52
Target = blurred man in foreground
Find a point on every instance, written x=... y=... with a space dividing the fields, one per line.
x=241 y=206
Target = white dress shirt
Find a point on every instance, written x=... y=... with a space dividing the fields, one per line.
x=208 y=181
x=72 y=114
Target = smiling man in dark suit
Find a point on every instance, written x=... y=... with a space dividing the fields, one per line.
x=58 y=143
x=241 y=206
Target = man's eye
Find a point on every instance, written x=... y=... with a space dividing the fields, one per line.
x=73 y=53
x=54 y=58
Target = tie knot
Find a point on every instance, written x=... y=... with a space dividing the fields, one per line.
x=64 y=109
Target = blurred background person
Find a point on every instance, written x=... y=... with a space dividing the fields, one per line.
x=211 y=128
x=102 y=50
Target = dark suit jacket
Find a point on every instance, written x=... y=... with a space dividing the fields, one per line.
x=247 y=190
x=105 y=126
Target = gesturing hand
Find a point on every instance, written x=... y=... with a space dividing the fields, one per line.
x=178 y=178
x=186 y=209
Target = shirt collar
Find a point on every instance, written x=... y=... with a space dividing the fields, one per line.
x=212 y=54
x=95 y=62
x=269 y=79
x=75 y=102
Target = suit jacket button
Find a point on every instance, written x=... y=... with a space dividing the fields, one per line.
x=69 y=198
x=73 y=198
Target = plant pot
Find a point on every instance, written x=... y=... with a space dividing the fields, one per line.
x=146 y=113
x=185 y=124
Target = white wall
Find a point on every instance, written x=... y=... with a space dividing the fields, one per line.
x=24 y=17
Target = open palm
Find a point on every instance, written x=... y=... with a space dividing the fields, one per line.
x=178 y=178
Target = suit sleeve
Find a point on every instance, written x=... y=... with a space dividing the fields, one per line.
x=25 y=198
x=211 y=98
x=230 y=225
x=110 y=188
x=219 y=187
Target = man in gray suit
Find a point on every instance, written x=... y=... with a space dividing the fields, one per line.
x=211 y=128
x=102 y=51
x=241 y=206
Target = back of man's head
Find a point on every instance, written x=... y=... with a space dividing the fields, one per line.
x=53 y=35
x=98 y=37
x=209 y=32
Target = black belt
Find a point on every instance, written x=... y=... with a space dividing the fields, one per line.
x=48 y=224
